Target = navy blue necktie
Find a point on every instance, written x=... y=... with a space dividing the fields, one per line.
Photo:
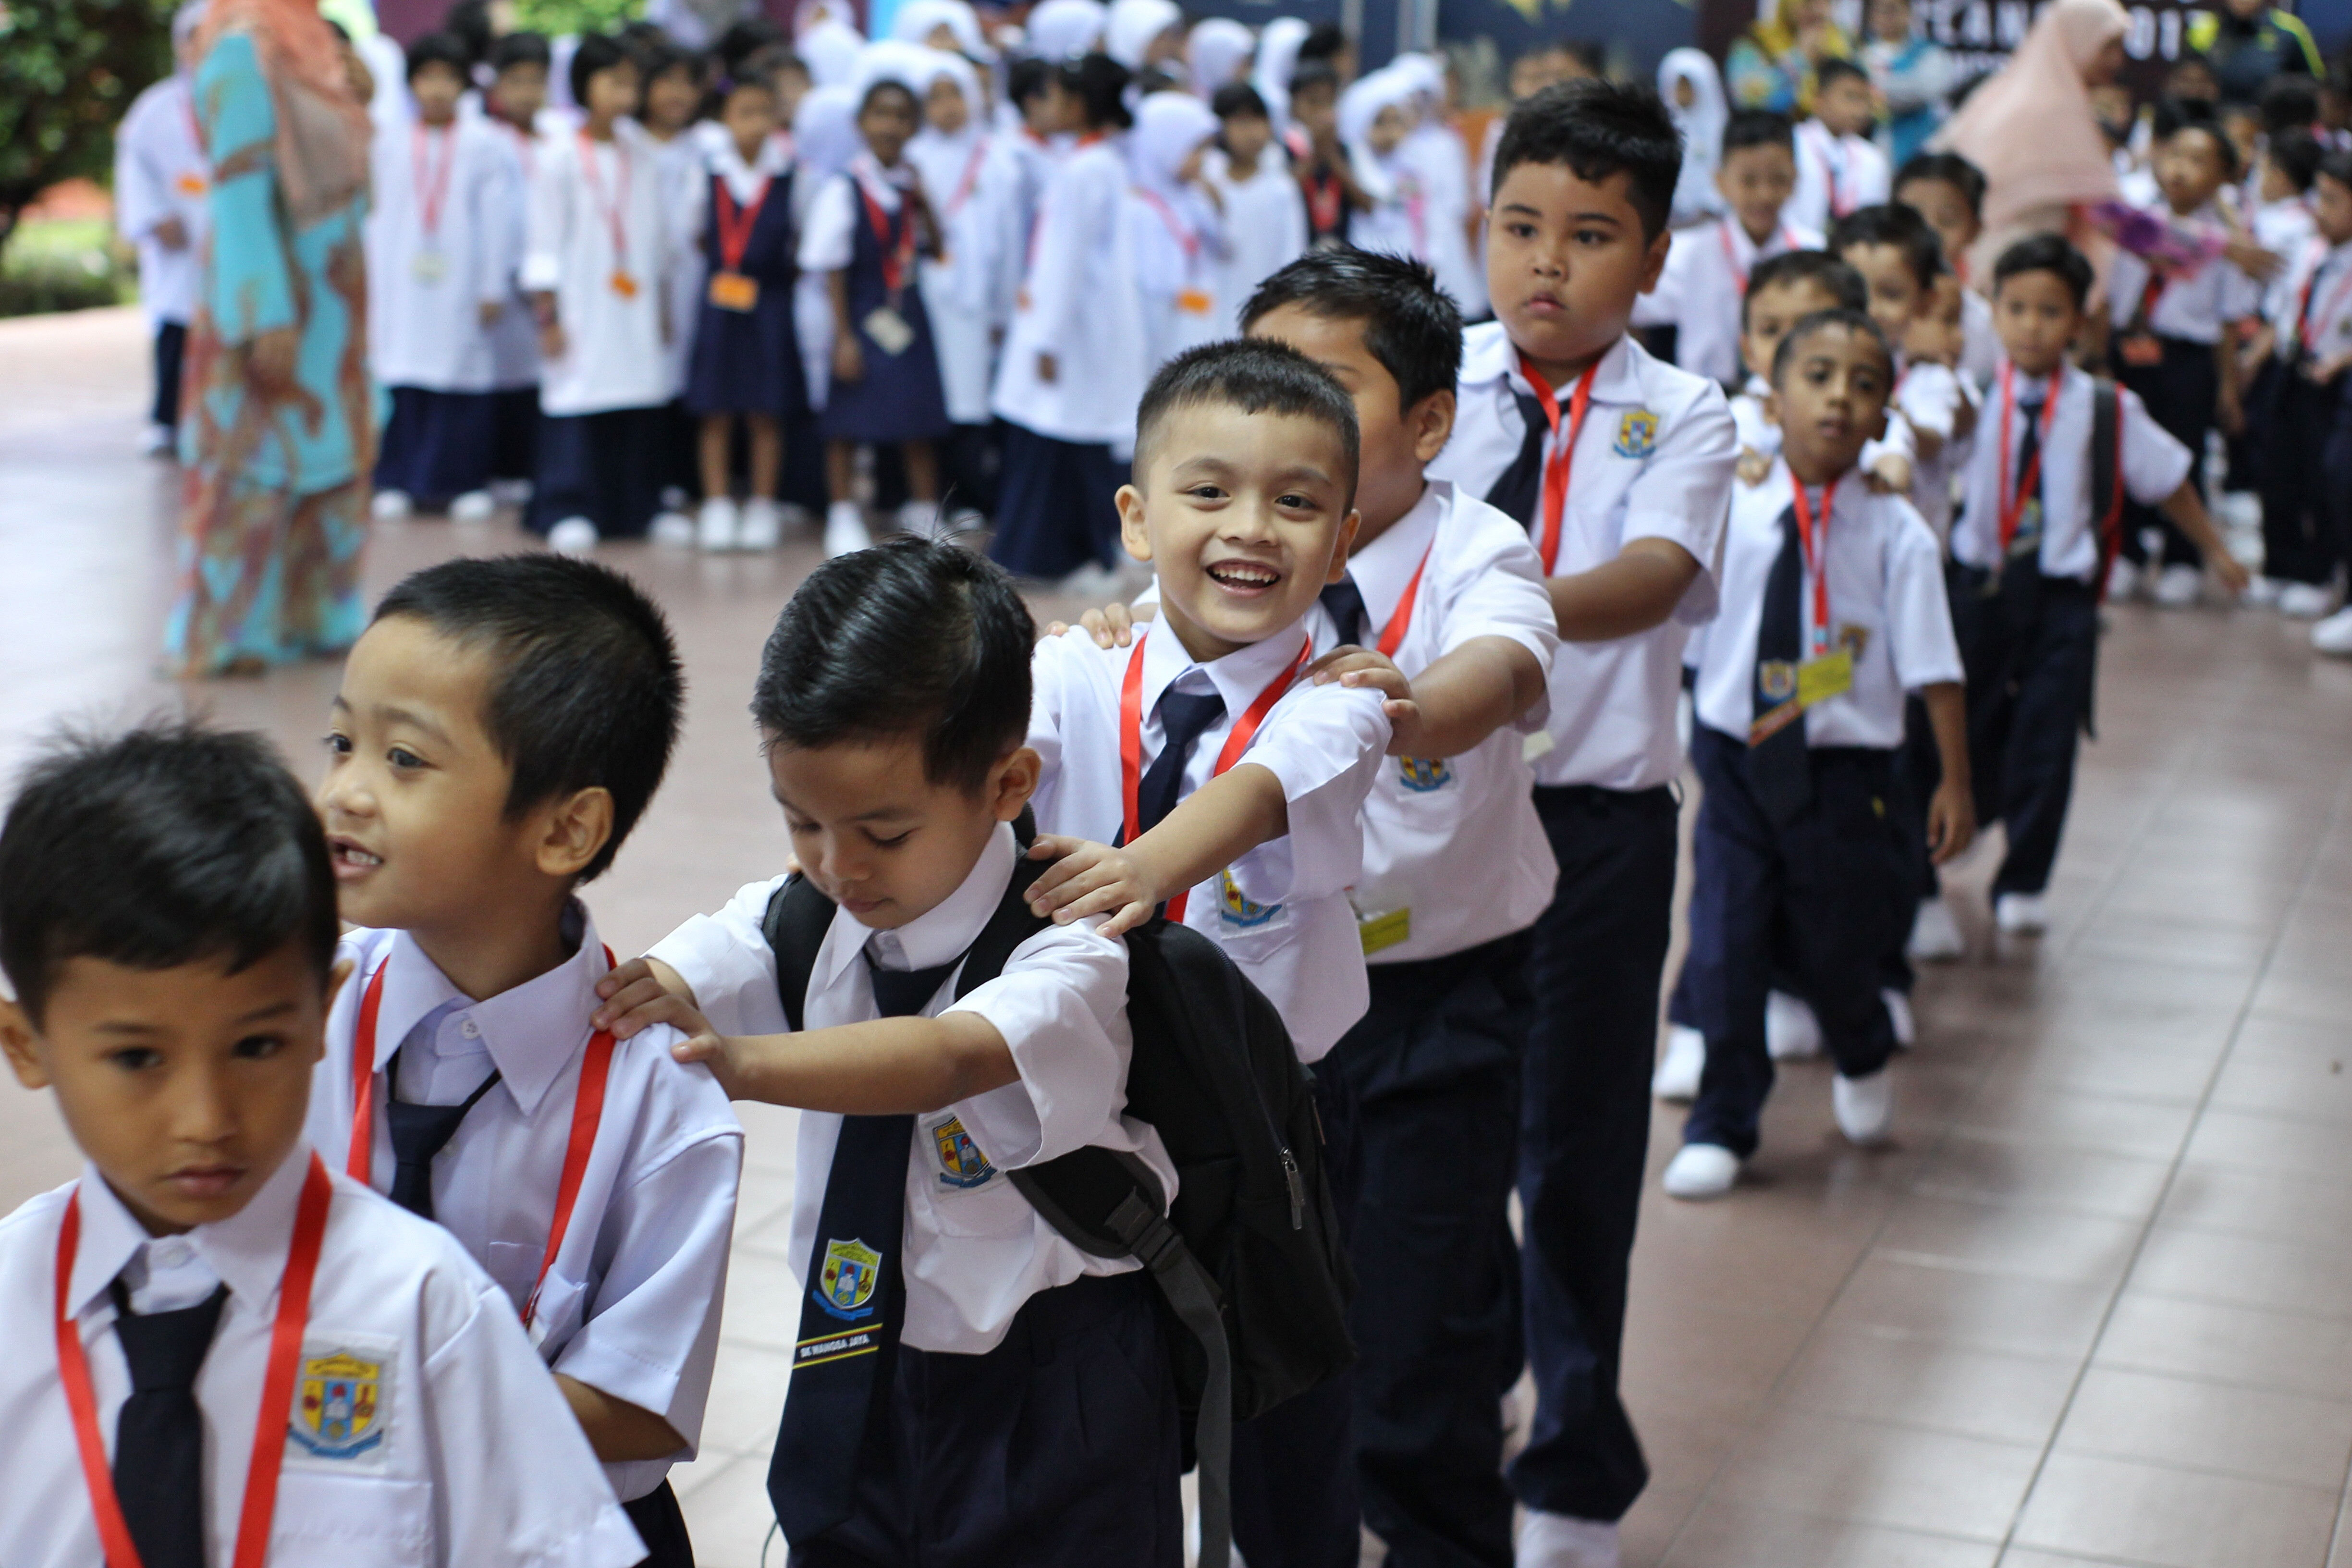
x=1519 y=489
x=159 y=1435
x=1778 y=769
x=1184 y=715
x=1344 y=603
x=419 y=1133
x=855 y=1304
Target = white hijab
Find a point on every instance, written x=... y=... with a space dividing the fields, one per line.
x=1701 y=125
x=831 y=51
x=1132 y=26
x=1216 y=50
x=1065 y=29
x=918 y=19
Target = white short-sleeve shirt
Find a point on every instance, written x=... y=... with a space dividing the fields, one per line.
x=631 y=1302
x=463 y=1453
x=1281 y=912
x=1655 y=460
x=2196 y=309
x=975 y=1250
x=1887 y=608
x=1705 y=279
x=2315 y=299
x=1835 y=175
x=2154 y=465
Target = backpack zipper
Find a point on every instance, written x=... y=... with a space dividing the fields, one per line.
x=1297 y=1190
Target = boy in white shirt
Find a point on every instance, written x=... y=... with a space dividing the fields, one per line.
x=1621 y=467
x=1709 y=267
x=2306 y=492
x=499 y=729
x=973 y=1389
x=162 y=186
x=255 y=1357
x=1840 y=170
x=1948 y=191
x=1833 y=608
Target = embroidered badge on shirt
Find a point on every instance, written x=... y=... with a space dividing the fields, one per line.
x=1853 y=638
x=1778 y=679
x=844 y=1286
x=1637 y=433
x=338 y=1406
x=961 y=1164
x=1421 y=774
x=1238 y=911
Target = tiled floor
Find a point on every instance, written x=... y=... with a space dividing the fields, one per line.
x=2093 y=1306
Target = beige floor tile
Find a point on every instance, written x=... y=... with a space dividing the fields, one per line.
x=2247 y=1271
x=2254 y=1433
x=1733 y=1535
x=2276 y=1350
x=1939 y=1387
x=730 y=1519
x=1837 y=1468
x=2079 y=1181
x=2027 y=1242
x=1979 y=1311
x=2257 y=1203
x=2175 y=1519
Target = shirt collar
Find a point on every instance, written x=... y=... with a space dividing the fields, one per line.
x=533 y=1030
x=1239 y=677
x=942 y=932
x=1383 y=568
x=248 y=1249
x=2033 y=388
x=745 y=181
x=1618 y=379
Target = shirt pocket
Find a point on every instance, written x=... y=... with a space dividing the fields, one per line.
x=353 y=1521
x=562 y=1300
x=963 y=1193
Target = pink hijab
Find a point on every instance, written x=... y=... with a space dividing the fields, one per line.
x=2031 y=128
x=322 y=130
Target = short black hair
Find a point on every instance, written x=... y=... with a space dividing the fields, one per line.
x=2296 y=154
x=596 y=52
x=2289 y=102
x=746 y=38
x=910 y=637
x=521 y=49
x=1411 y=325
x=1256 y=376
x=1318 y=76
x=468 y=21
x=1946 y=168
x=657 y=54
x=1100 y=84
x=1238 y=98
x=881 y=85
x=1599 y=128
x=1836 y=68
x=441 y=48
x=1891 y=223
x=1588 y=53
x=585 y=690
x=2337 y=165
x=1821 y=320
x=157 y=848
x=1324 y=43
x=1806 y=267
x=2045 y=253
x=1028 y=77
x=1759 y=128
x=2176 y=115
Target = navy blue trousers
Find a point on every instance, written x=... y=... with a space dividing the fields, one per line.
x=606 y=467
x=662 y=1526
x=1059 y=1449
x=1056 y=505
x=2306 y=503
x=2029 y=694
x=170 y=357
x=437 y=445
x=1818 y=900
x=1433 y=1070
x=1599 y=955
x=2180 y=394
x=514 y=439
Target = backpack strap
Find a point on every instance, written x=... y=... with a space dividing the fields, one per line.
x=794 y=926
x=2106 y=474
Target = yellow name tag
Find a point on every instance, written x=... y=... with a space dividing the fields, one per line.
x=733 y=292
x=1384 y=930
x=1822 y=678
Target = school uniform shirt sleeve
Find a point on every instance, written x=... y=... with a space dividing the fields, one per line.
x=725 y=958
x=1663 y=306
x=1683 y=495
x=1919 y=607
x=2154 y=462
x=1500 y=593
x=141 y=188
x=1930 y=399
x=1061 y=1006
x=1324 y=744
x=547 y=235
x=492 y=189
x=828 y=235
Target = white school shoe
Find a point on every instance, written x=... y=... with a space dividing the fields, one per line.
x=760 y=524
x=574 y=536
x=1679 y=1069
x=2021 y=914
x=1698 y=1172
x=919 y=518
x=160 y=441
x=2264 y=592
x=961 y=523
x=1791 y=1032
x=474 y=506
x=1898 y=1013
x=2123 y=580
x=390 y=505
x=719 y=525
x=1563 y=1541
x=510 y=492
x=2305 y=601
x=1864 y=1106
x=2334 y=635
x=1934 y=934
x=671 y=527
x=844 y=530
x=2179 y=585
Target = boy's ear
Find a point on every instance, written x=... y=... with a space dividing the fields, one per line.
x=1015 y=781
x=576 y=830
x=1654 y=262
x=1131 y=532
x=1432 y=422
x=16 y=1037
x=1342 y=545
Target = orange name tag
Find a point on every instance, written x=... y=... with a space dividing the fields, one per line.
x=624 y=286
x=191 y=184
x=1195 y=302
x=733 y=292
x=2140 y=351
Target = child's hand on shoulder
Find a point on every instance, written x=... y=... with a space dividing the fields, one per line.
x=1360 y=669
x=1090 y=879
x=635 y=995
x=1113 y=626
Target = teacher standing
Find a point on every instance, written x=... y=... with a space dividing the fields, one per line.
x=280 y=429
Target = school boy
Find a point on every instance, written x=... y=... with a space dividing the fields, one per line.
x=513 y=104
x=2029 y=552
x=1948 y=191
x=1899 y=259
x=1021 y=1410
x=1840 y=170
x=2305 y=475
x=1708 y=269
x=499 y=729
x=1833 y=607
x=162 y=186
x=242 y=1327
x=2175 y=338
x=442 y=254
x=1621 y=467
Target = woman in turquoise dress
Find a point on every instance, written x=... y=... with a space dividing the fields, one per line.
x=280 y=431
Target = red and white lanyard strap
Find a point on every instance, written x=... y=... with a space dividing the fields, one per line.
x=432 y=185
x=1130 y=739
x=897 y=259
x=587 y=1111
x=1731 y=252
x=1815 y=546
x=1559 y=458
x=736 y=222
x=1401 y=618
x=2309 y=328
x=260 y=1507
x=617 y=211
x=2013 y=504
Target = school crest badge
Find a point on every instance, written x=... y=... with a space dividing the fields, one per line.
x=1853 y=638
x=845 y=1283
x=1421 y=774
x=961 y=1164
x=1777 y=678
x=336 y=1408
x=1237 y=910
x=1637 y=433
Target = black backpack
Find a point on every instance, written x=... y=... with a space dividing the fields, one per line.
x=1248 y=1261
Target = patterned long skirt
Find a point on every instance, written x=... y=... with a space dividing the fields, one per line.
x=266 y=576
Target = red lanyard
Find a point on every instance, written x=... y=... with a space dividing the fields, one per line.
x=615 y=212
x=1817 y=560
x=587 y=1111
x=2305 y=319
x=969 y=179
x=1401 y=618
x=1324 y=197
x=735 y=223
x=896 y=258
x=1561 y=458
x=277 y=1384
x=1130 y=739
x=1835 y=162
x=1731 y=256
x=2013 y=505
x=432 y=190
x=1183 y=236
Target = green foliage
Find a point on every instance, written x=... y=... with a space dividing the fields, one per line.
x=555 y=18
x=69 y=264
x=68 y=70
